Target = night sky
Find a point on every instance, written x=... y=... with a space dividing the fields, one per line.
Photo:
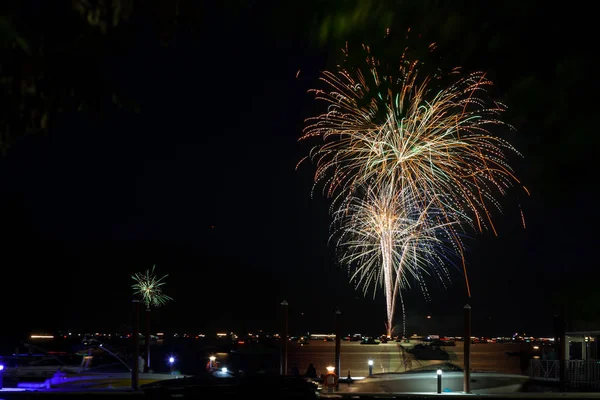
x=202 y=183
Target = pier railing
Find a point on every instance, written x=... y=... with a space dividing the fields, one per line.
x=579 y=373
x=583 y=374
x=544 y=369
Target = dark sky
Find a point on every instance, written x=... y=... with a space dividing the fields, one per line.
x=202 y=183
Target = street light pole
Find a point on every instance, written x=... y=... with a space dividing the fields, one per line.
x=338 y=338
x=283 y=367
x=467 y=350
x=147 y=341
x=136 y=348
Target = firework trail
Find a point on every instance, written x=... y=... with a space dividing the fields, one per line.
x=149 y=286
x=387 y=239
x=435 y=143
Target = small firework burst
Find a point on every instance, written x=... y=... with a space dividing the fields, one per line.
x=149 y=286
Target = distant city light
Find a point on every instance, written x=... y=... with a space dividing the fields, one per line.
x=171 y=360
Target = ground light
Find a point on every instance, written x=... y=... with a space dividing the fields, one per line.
x=330 y=379
x=171 y=363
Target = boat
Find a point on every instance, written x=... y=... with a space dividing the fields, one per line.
x=424 y=380
x=428 y=352
x=81 y=369
x=96 y=380
x=37 y=364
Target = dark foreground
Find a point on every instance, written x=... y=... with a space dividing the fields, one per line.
x=253 y=387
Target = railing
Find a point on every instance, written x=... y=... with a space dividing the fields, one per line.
x=544 y=369
x=579 y=373
x=583 y=374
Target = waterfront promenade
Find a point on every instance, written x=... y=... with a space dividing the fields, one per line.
x=388 y=357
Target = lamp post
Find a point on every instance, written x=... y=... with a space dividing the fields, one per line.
x=338 y=338
x=467 y=350
x=370 y=367
x=284 y=337
x=135 y=371
x=147 y=341
x=439 y=381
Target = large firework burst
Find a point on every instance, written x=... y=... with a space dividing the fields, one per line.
x=149 y=287
x=410 y=160
x=435 y=143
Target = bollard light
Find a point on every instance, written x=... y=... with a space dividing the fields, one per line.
x=439 y=381
x=171 y=364
x=1 y=373
x=211 y=363
x=370 y=367
x=330 y=379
